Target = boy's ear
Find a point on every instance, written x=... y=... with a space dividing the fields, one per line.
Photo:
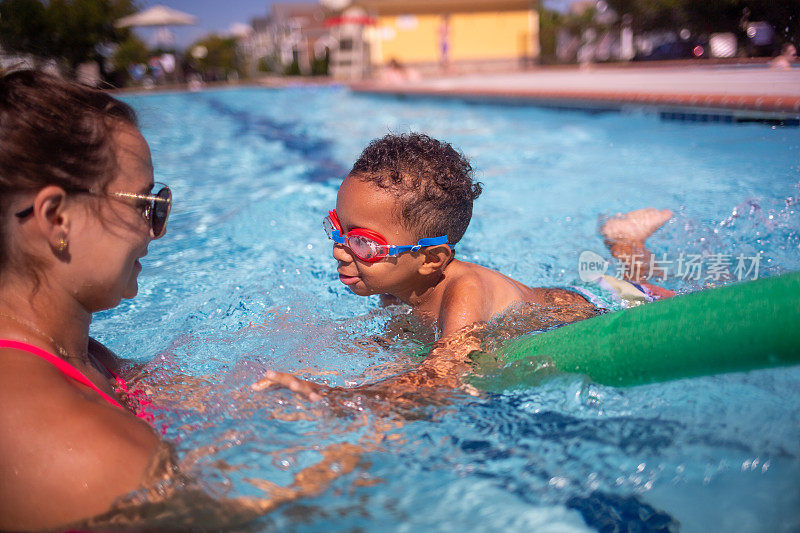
x=436 y=258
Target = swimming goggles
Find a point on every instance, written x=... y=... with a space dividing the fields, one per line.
x=370 y=246
x=155 y=209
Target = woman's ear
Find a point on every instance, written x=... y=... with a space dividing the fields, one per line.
x=436 y=258
x=51 y=218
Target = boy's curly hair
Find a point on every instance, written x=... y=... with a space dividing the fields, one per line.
x=433 y=182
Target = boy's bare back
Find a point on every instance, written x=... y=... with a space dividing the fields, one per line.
x=471 y=293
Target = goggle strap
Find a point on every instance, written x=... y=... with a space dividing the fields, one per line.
x=336 y=236
x=431 y=241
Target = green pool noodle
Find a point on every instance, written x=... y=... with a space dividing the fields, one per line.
x=738 y=327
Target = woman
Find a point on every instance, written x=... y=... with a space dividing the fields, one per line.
x=77 y=212
x=76 y=215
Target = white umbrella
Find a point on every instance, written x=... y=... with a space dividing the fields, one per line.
x=157 y=16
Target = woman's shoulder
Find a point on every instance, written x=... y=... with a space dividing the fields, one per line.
x=89 y=447
x=35 y=392
x=21 y=368
x=41 y=385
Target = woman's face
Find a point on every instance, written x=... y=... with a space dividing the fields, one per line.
x=113 y=234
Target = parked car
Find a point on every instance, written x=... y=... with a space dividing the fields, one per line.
x=676 y=49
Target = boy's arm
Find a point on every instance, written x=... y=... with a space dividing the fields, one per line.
x=462 y=311
x=563 y=306
x=443 y=368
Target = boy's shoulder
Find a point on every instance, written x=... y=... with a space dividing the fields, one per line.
x=468 y=279
x=463 y=302
x=475 y=294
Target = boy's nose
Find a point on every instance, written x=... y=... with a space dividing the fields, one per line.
x=342 y=253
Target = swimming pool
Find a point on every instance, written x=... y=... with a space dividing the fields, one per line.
x=244 y=282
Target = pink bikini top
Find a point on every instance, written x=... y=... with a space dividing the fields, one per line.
x=136 y=398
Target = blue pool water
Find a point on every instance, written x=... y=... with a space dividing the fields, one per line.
x=244 y=282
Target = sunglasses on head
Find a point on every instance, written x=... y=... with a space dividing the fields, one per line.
x=370 y=246
x=155 y=209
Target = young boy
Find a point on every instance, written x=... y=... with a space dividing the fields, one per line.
x=399 y=216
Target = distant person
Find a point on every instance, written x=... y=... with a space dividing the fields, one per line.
x=137 y=71
x=156 y=70
x=787 y=56
x=194 y=82
x=167 y=63
x=444 y=43
x=396 y=72
x=588 y=50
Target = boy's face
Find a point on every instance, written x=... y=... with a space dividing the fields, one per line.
x=362 y=204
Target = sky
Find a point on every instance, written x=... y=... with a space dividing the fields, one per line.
x=213 y=16
x=218 y=16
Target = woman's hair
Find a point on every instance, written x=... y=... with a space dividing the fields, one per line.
x=54 y=132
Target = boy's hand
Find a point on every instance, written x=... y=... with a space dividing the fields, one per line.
x=312 y=391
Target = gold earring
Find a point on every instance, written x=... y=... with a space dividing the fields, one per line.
x=61 y=245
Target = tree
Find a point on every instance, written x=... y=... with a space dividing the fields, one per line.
x=729 y=15
x=709 y=16
x=221 y=56
x=68 y=30
x=24 y=28
x=319 y=65
x=550 y=22
x=78 y=26
x=649 y=15
x=131 y=50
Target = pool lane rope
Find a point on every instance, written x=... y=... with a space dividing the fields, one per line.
x=738 y=327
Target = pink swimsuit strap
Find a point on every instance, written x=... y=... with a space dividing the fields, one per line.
x=65 y=368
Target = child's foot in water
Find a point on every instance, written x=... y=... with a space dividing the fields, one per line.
x=636 y=226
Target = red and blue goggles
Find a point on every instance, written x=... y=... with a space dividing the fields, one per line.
x=370 y=246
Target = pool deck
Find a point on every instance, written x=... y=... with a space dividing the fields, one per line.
x=736 y=90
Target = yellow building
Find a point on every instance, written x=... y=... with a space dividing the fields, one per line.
x=445 y=34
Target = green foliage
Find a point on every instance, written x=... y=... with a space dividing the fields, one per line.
x=293 y=69
x=319 y=65
x=24 y=27
x=69 y=30
x=265 y=64
x=712 y=15
x=783 y=15
x=654 y=14
x=131 y=50
x=222 y=55
x=576 y=24
x=549 y=23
